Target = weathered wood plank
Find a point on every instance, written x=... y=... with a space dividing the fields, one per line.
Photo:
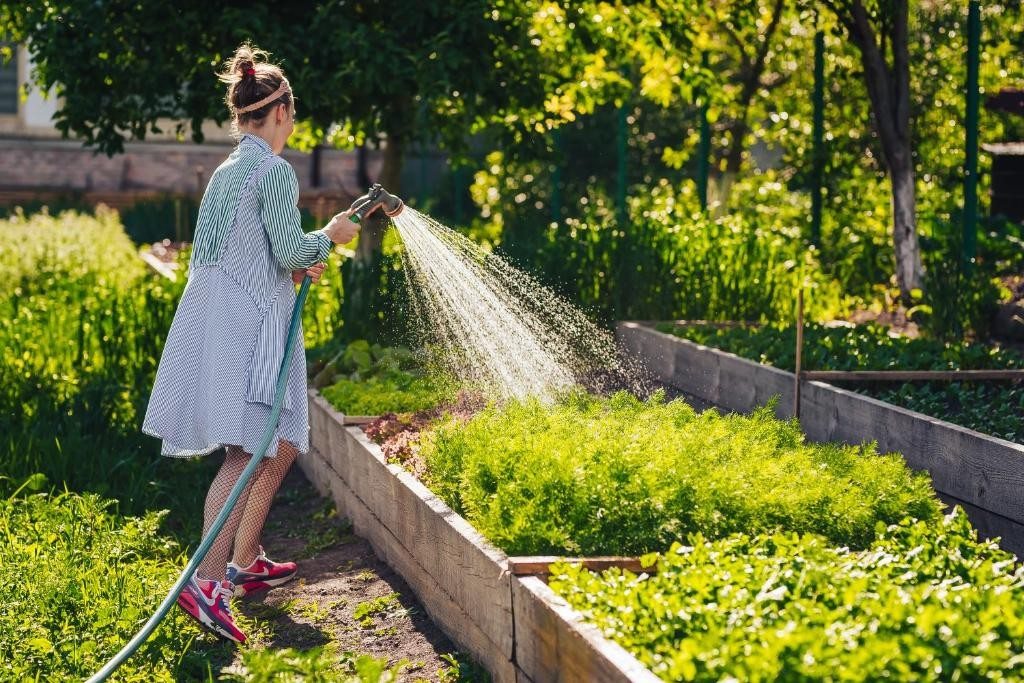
x=449 y=615
x=911 y=375
x=695 y=368
x=539 y=564
x=981 y=470
x=463 y=563
x=553 y=643
x=635 y=339
x=736 y=392
x=992 y=526
x=353 y=420
x=332 y=428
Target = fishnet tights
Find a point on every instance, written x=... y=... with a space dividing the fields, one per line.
x=239 y=540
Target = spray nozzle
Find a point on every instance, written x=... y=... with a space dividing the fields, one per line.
x=376 y=197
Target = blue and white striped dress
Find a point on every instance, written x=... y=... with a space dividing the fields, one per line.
x=216 y=379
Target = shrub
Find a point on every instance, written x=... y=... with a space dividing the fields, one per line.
x=618 y=475
x=374 y=380
x=924 y=602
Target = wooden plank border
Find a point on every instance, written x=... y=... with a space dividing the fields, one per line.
x=538 y=565
x=554 y=643
x=983 y=471
x=464 y=583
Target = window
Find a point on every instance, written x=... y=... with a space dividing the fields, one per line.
x=9 y=84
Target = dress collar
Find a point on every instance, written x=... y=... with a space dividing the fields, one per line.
x=255 y=140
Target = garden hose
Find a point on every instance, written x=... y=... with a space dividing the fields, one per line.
x=236 y=492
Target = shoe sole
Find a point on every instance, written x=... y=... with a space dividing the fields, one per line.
x=191 y=608
x=262 y=585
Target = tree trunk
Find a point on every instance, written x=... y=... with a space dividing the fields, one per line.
x=361 y=274
x=909 y=273
x=751 y=70
x=889 y=92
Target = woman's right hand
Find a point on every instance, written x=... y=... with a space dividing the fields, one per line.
x=341 y=229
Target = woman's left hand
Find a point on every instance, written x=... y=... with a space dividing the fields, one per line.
x=314 y=272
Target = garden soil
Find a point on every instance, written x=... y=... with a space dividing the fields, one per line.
x=344 y=598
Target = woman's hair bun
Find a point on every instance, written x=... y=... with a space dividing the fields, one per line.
x=243 y=64
x=250 y=77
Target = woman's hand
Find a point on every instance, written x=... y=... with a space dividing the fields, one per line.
x=314 y=271
x=342 y=229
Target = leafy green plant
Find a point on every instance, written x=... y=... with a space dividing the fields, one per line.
x=87 y=579
x=373 y=380
x=316 y=665
x=617 y=475
x=926 y=601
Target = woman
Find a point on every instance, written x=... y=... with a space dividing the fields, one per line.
x=215 y=383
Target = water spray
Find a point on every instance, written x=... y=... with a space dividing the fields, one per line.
x=377 y=197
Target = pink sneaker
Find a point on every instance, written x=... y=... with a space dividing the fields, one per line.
x=207 y=602
x=261 y=575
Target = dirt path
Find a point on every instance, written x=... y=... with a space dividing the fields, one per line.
x=345 y=599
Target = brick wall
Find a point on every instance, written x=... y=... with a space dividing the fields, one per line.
x=37 y=168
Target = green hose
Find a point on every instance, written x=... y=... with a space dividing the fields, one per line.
x=218 y=523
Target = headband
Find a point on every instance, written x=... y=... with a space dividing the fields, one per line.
x=281 y=89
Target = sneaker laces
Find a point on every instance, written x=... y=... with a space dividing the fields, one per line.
x=223 y=592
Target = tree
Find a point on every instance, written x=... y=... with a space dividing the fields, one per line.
x=880 y=31
x=749 y=27
x=388 y=73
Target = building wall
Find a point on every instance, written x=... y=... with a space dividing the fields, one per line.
x=36 y=162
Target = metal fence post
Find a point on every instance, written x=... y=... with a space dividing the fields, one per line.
x=970 y=235
x=818 y=138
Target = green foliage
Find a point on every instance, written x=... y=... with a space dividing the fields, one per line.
x=373 y=380
x=847 y=347
x=316 y=665
x=462 y=669
x=86 y=324
x=992 y=408
x=587 y=476
x=925 y=601
x=670 y=260
x=84 y=581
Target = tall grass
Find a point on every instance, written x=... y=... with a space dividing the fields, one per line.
x=665 y=259
x=85 y=324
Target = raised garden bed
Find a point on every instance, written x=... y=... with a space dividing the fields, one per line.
x=994 y=406
x=983 y=473
x=516 y=627
x=500 y=608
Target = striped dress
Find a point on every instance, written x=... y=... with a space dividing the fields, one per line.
x=217 y=374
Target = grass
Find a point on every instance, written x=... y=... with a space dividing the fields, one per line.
x=88 y=579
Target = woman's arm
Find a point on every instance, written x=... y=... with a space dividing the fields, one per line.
x=279 y=197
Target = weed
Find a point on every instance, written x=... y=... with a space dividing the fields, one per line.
x=375 y=606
